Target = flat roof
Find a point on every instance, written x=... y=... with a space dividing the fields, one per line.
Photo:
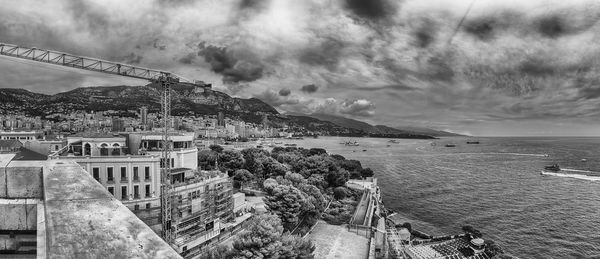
x=83 y=220
x=95 y=135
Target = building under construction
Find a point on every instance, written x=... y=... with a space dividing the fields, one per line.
x=202 y=205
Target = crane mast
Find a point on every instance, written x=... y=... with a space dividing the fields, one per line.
x=165 y=79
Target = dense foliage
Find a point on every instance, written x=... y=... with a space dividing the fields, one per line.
x=298 y=184
x=265 y=238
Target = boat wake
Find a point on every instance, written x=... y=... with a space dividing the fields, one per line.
x=576 y=176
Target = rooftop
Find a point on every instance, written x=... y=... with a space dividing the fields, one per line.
x=79 y=218
x=95 y=135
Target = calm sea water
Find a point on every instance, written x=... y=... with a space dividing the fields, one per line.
x=495 y=186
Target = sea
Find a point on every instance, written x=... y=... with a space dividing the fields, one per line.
x=495 y=186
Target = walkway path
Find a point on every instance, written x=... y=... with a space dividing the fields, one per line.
x=333 y=241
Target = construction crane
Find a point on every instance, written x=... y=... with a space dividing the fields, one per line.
x=165 y=79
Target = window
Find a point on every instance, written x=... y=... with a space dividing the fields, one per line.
x=104 y=149
x=96 y=173
x=147 y=205
x=123 y=173
x=136 y=175
x=136 y=191
x=111 y=190
x=136 y=207
x=147 y=190
x=109 y=172
x=123 y=192
x=147 y=173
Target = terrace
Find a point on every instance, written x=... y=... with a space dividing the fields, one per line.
x=71 y=215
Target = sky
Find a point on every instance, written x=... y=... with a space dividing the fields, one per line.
x=479 y=67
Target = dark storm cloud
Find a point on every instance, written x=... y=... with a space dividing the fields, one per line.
x=235 y=65
x=424 y=33
x=371 y=9
x=309 y=88
x=285 y=92
x=253 y=4
x=328 y=53
x=188 y=59
x=90 y=17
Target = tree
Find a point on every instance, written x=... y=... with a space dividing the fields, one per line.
x=317 y=151
x=207 y=159
x=269 y=185
x=296 y=247
x=216 y=148
x=340 y=193
x=243 y=176
x=319 y=181
x=230 y=161
x=338 y=157
x=366 y=172
x=221 y=251
x=273 y=167
x=295 y=178
x=350 y=165
x=262 y=238
x=337 y=178
x=286 y=202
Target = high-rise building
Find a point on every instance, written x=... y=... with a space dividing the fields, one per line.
x=144 y=116
x=221 y=119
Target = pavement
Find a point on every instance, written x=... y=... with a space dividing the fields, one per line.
x=333 y=241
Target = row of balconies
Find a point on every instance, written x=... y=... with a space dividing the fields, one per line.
x=137 y=196
x=126 y=179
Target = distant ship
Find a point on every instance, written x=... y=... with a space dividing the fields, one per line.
x=450 y=145
x=553 y=168
x=351 y=143
x=472 y=142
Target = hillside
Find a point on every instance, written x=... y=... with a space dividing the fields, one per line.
x=187 y=100
x=380 y=129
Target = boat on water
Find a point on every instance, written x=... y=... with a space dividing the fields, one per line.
x=393 y=141
x=350 y=143
x=450 y=145
x=472 y=142
x=556 y=170
x=553 y=168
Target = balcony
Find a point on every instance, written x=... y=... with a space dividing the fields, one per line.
x=110 y=180
x=147 y=179
x=124 y=179
x=136 y=178
x=136 y=196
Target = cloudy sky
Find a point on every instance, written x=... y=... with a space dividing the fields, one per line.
x=482 y=67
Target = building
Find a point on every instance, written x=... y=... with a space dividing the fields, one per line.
x=9 y=146
x=47 y=145
x=221 y=119
x=184 y=153
x=131 y=178
x=144 y=117
x=202 y=206
x=55 y=209
x=21 y=136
